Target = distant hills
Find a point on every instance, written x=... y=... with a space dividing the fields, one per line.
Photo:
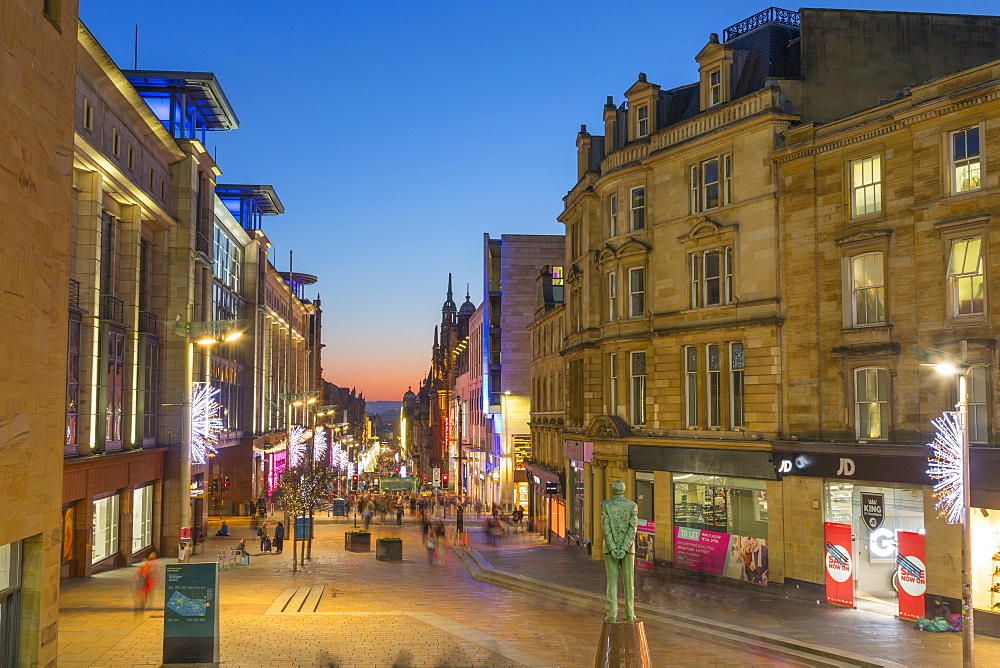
x=386 y=408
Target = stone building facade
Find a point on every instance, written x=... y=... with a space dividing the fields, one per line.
x=37 y=55
x=888 y=234
x=751 y=260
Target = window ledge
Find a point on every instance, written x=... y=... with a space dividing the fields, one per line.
x=867 y=328
x=867 y=219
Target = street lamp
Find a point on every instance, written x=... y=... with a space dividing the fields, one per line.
x=951 y=467
x=204 y=334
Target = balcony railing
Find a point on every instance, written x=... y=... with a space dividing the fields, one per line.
x=112 y=308
x=203 y=245
x=74 y=293
x=149 y=323
x=770 y=15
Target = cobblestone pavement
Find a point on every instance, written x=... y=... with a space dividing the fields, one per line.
x=856 y=631
x=371 y=614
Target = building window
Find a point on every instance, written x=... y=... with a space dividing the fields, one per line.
x=714 y=87
x=690 y=386
x=965 y=273
x=642 y=121
x=637 y=215
x=142 y=518
x=637 y=292
x=713 y=386
x=613 y=386
x=868 y=289
x=736 y=385
x=73 y=381
x=976 y=404
x=10 y=597
x=866 y=186
x=52 y=10
x=871 y=392
x=150 y=354
x=637 y=396
x=965 y=160
x=613 y=215
x=130 y=158
x=710 y=184
x=558 y=284
x=152 y=178
x=106 y=516
x=612 y=297
x=107 y=254
x=116 y=143
x=114 y=387
x=88 y=115
x=228 y=260
x=712 y=277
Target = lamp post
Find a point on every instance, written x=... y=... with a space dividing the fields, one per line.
x=505 y=450
x=204 y=334
x=955 y=500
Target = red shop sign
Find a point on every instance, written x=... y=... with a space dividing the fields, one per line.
x=911 y=573
x=839 y=564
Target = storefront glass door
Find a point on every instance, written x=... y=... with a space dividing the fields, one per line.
x=875 y=514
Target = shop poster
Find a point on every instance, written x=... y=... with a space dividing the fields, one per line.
x=911 y=573
x=738 y=557
x=839 y=564
x=645 y=533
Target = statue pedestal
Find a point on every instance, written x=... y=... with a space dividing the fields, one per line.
x=622 y=645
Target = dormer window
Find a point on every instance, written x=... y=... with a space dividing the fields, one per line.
x=714 y=87
x=642 y=121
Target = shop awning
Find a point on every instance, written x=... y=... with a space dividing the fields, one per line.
x=537 y=477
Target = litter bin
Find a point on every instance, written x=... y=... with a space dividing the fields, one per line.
x=303 y=528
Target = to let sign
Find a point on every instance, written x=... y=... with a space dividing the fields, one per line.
x=873 y=510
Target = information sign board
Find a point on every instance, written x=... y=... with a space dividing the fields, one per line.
x=191 y=613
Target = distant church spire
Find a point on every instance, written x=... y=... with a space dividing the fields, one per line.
x=449 y=309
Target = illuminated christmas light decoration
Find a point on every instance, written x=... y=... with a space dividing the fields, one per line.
x=205 y=422
x=947 y=466
x=297 y=440
x=319 y=445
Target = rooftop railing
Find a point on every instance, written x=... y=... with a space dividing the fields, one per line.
x=770 y=15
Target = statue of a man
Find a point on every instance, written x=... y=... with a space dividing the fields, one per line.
x=619 y=519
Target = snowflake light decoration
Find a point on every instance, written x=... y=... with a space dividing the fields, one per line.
x=205 y=422
x=297 y=444
x=319 y=444
x=947 y=467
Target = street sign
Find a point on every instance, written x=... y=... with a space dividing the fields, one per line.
x=436 y=475
x=551 y=488
x=191 y=613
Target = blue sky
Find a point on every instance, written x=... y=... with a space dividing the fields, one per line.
x=397 y=133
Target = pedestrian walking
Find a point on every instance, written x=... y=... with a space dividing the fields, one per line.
x=399 y=513
x=367 y=517
x=145 y=581
x=265 y=539
x=279 y=537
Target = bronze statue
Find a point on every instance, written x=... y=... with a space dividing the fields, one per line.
x=619 y=519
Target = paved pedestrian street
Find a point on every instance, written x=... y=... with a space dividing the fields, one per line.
x=370 y=614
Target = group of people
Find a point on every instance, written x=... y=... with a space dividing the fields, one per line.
x=263 y=533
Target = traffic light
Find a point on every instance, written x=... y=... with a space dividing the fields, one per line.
x=444 y=480
x=354 y=482
x=225 y=484
x=213 y=487
x=375 y=484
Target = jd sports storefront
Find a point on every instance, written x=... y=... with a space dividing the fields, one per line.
x=873 y=527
